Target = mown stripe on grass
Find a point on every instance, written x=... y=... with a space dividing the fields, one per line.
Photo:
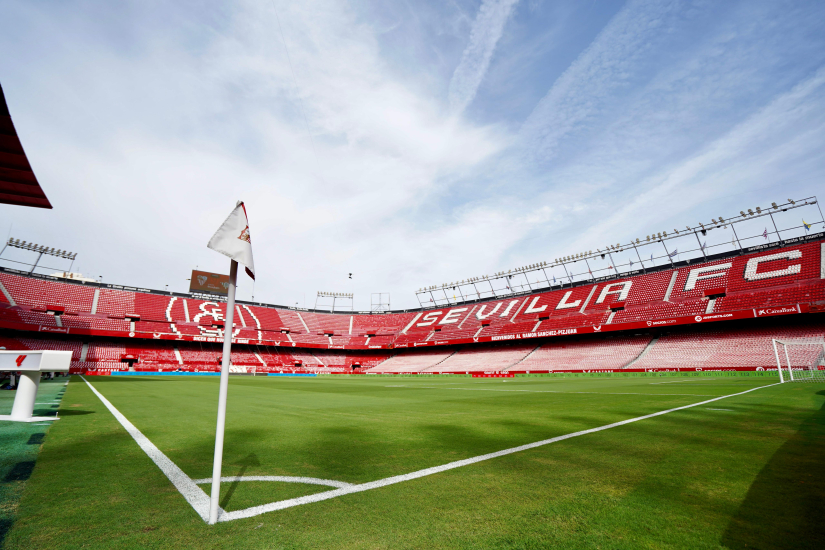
x=200 y=501
x=318 y=497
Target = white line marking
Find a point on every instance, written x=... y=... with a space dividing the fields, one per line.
x=193 y=494
x=285 y=479
x=686 y=381
x=557 y=391
x=318 y=497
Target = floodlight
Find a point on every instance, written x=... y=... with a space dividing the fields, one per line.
x=789 y=200
x=775 y=207
x=758 y=210
x=750 y=211
x=742 y=214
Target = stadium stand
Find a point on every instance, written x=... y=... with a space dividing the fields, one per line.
x=721 y=348
x=606 y=353
x=412 y=361
x=545 y=330
x=483 y=358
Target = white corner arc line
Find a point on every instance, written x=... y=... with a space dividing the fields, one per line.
x=283 y=479
x=193 y=494
x=318 y=497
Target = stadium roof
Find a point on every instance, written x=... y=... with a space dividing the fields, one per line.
x=18 y=184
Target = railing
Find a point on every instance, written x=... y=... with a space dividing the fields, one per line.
x=720 y=238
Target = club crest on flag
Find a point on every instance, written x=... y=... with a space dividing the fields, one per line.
x=232 y=239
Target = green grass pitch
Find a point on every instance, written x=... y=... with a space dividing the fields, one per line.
x=743 y=472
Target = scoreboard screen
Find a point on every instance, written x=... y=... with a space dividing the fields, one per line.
x=214 y=283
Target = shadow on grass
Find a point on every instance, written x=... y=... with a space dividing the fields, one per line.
x=5 y=527
x=20 y=471
x=785 y=505
x=250 y=460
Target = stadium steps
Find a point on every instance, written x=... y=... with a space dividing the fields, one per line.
x=532 y=351
x=385 y=360
x=435 y=365
x=5 y=292
x=643 y=353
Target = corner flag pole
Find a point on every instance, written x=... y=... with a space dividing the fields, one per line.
x=227 y=350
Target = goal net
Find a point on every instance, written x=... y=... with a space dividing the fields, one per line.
x=800 y=359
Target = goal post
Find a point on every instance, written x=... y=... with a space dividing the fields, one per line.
x=802 y=357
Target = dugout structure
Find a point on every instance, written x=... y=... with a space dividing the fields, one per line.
x=803 y=358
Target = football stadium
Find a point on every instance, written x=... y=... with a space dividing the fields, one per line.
x=664 y=390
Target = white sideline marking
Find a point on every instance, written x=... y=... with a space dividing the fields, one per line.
x=193 y=494
x=557 y=391
x=285 y=479
x=686 y=381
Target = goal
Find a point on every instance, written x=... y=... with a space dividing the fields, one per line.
x=802 y=358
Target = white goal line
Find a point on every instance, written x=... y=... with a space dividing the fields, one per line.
x=199 y=500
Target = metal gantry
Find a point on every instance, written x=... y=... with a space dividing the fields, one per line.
x=637 y=256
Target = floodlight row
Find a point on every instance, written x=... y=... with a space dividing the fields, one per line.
x=17 y=243
x=619 y=247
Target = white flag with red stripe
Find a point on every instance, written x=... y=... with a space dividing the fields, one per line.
x=232 y=239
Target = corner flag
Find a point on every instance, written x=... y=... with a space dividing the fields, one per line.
x=231 y=239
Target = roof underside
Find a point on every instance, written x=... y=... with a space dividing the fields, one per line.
x=18 y=184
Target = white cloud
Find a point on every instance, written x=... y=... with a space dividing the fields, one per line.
x=180 y=134
x=485 y=34
x=145 y=130
x=595 y=77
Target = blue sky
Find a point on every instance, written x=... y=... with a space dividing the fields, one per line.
x=410 y=143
